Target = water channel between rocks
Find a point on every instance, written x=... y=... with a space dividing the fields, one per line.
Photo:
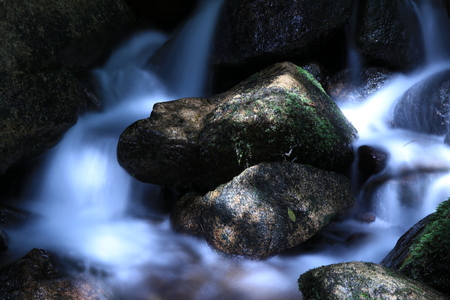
x=91 y=206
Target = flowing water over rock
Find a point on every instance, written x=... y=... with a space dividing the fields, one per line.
x=90 y=207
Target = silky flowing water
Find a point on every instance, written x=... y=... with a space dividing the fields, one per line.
x=94 y=211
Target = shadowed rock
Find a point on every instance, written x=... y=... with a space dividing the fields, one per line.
x=425 y=107
x=268 y=208
x=422 y=253
x=38 y=276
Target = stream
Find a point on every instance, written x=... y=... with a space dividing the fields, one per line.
x=93 y=210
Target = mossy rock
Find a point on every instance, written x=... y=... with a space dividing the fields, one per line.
x=292 y=118
x=429 y=255
x=362 y=281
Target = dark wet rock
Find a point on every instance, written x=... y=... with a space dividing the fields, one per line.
x=371 y=160
x=163 y=14
x=254 y=34
x=397 y=256
x=292 y=119
x=411 y=187
x=265 y=210
x=316 y=70
x=358 y=238
x=360 y=280
x=387 y=34
x=366 y=217
x=35 y=111
x=423 y=252
x=447 y=140
x=43 y=45
x=425 y=107
x=13 y=216
x=3 y=241
x=38 y=276
x=350 y=88
x=41 y=35
x=281 y=113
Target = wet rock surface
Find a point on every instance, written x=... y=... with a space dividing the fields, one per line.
x=163 y=14
x=268 y=208
x=387 y=34
x=352 y=86
x=255 y=34
x=39 y=35
x=38 y=276
x=43 y=46
x=360 y=280
x=371 y=160
x=279 y=114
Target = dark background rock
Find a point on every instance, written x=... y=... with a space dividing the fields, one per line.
x=3 y=241
x=422 y=253
x=384 y=38
x=255 y=34
x=163 y=14
x=371 y=160
x=281 y=113
x=164 y=149
x=39 y=275
x=425 y=107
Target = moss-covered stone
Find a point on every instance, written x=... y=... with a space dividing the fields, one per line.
x=362 y=281
x=39 y=34
x=292 y=118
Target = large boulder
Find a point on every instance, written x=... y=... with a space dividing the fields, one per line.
x=254 y=34
x=38 y=275
x=360 y=280
x=265 y=210
x=281 y=113
x=35 y=111
x=43 y=45
x=423 y=253
x=425 y=107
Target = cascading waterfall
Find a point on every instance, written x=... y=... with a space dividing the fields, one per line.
x=86 y=200
x=422 y=156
